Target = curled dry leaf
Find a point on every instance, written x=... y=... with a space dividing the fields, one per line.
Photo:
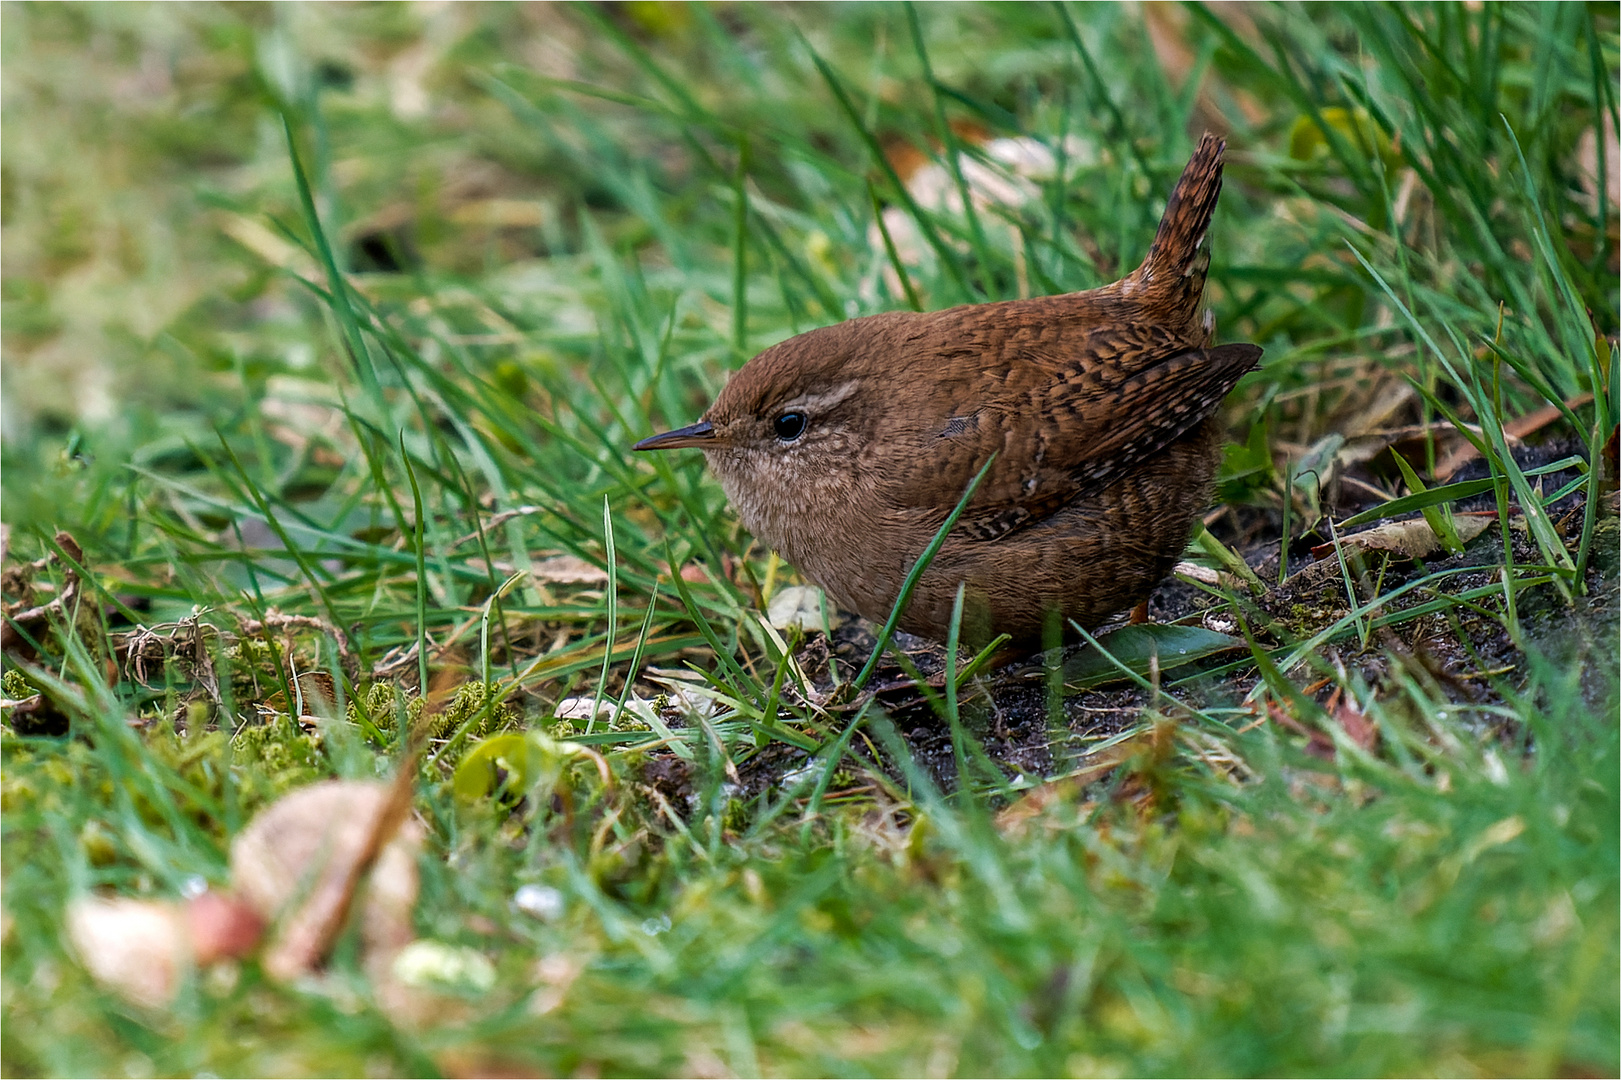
x=1343 y=710
x=1412 y=539
x=799 y=607
x=298 y=867
x=1206 y=574
x=138 y=948
x=1318 y=743
x=1363 y=732
x=141 y=949
x=300 y=863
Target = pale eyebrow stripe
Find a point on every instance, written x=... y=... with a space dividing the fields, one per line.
x=814 y=403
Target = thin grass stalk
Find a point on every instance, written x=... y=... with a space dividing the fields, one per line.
x=418 y=544
x=338 y=288
x=899 y=267
x=613 y=612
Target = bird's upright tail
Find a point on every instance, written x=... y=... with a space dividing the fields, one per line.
x=1172 y=274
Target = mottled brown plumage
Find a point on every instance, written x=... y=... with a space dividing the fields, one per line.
x=1099 y=406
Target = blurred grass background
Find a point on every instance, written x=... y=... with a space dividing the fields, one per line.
x=553 y=229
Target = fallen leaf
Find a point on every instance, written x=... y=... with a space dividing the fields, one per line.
x=299 y=863
x=1137 y=646
x=137 y=948
x=1411 y=539
x=315 y=691
x=1318 y=744
x=799 y=607
x=1354 y=721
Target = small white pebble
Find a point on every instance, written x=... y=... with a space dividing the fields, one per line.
x=579 y=708
x=809 y=772
x=539 y=901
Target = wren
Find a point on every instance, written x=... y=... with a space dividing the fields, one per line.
x=846 y=448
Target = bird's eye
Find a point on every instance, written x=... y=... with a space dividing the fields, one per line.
x=789 y=426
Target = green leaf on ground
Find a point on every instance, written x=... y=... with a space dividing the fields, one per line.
x=1135 y=647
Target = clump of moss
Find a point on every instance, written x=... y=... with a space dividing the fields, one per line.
x=472 y=702
x=381 y=705
x=186 y=752
x=19 y=786
x=42 y=717
x=285 y=752
x=15 y=687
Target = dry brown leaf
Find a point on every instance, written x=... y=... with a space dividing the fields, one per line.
x=314 y=690
x=299 y=864
x=137 y=948
x=141 y=949
x=1318 y=744
x=1343 y=711
x=1411 y=539
x=1354 y=721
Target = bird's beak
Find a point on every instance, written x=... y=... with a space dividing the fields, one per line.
x=699 y=434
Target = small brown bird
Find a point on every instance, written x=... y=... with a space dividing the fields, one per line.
x=846 y=448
